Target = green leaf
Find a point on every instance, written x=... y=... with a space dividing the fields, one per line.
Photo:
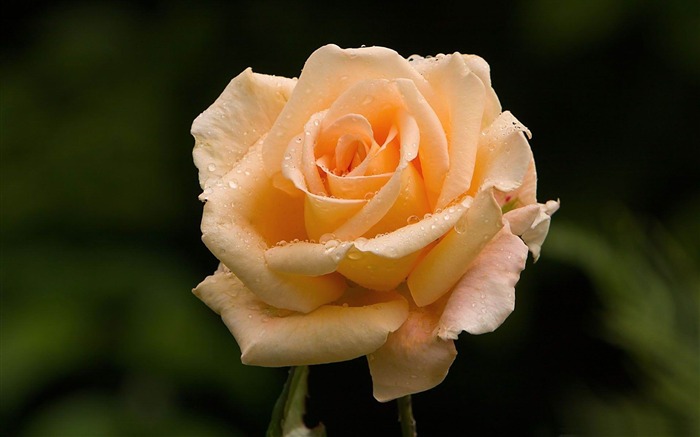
x=288 y=415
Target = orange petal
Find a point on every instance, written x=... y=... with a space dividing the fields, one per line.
x=327 y=74
x=438 y=272
x=377 y=207
x=463 y=93
x=307 y=259
x=235 y=122
x=434 y=159
x=241 y=220
x=271 y=337
x=376 y=272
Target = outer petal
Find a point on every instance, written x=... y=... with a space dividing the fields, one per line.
x=242 y=218
x=504 y=155
x=485 y=295
x=532 y=224
x=445 y=264
x=413 y=359
x=492 y=107
x=243 y=113
x=271 y=337
x=328 y=72
x=525 y=194
x=463 y=92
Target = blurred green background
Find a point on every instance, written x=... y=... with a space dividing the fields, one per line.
x=100 y=241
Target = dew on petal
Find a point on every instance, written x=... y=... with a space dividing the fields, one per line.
x=326 y=238
x=461 y=225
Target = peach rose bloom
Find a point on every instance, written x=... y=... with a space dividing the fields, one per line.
x=376 y=206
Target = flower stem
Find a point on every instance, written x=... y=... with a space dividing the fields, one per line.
x=408 y=423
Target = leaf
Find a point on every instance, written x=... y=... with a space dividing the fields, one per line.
x=288 y=415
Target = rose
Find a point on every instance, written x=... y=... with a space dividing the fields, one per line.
x=375 y=206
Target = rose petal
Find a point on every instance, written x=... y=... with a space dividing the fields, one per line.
x=356 y=187
x=241 y=219
x=307 y=159
x=377 y=101
x=434 y=159
x=485 y=296
x=504 y=155
x=323 y=215
x=442 y=267
x=305 y=258
x=463 y=94
x=235 y=121
x=379 y=205
x=532 y=224
x=415 y=236
x=376 y=272
x=328 y=72
x=492 y=107
x=331 y=333
x=349 y=124
x=412 y=360
x=525 y=194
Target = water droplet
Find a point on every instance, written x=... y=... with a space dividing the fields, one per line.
x=287 y=156
x=370 y=195
x=461 y=225
x=233 y=184
x=329 y=246
x=316 y=123
x=355 y=255
x=211 y=167
x=368 y=100
x=412 y=219
x=326 y=237
x=298 y=139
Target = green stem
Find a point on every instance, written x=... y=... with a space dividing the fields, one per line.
x=408 y=423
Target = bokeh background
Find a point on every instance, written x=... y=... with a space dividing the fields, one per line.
x=100 y=243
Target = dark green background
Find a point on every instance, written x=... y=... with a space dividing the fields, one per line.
x=100 y=241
